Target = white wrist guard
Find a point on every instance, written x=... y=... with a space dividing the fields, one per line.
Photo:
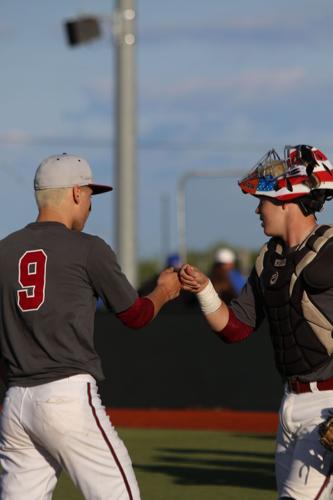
x=208 y=299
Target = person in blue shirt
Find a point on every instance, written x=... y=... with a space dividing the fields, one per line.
x=227 y=280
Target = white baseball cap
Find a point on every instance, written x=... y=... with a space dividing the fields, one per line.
x=65 y=170
x=224 y=256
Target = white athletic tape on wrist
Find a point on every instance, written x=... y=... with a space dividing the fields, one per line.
x=208 y=299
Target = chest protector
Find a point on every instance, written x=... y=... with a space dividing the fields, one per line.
x=301 y=332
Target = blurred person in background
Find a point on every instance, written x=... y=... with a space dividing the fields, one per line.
x=226 y=278
x=291 y=285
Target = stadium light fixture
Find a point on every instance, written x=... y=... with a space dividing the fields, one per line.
x=82 y=29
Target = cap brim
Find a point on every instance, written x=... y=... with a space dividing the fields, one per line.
x=99 y=188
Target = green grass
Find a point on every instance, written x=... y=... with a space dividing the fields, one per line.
x=196 y=465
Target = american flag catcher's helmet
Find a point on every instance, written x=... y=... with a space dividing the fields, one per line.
x=303 y=176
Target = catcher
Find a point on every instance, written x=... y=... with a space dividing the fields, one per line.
x=292 y=285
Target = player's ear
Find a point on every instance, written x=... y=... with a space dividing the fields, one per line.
x=76 y=194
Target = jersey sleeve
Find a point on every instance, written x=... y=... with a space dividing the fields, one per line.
x=235 y=330
x=248 y=306
x=107 y=279
x=139 y=314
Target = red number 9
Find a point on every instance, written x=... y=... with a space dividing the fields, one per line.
x=32 y=275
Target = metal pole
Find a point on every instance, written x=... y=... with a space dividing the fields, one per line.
x=125 y=138
x=165 y=228
x=181 y=216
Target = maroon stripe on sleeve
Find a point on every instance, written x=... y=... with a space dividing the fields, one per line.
x=106 y=439
x=139 y=314
x=235 y=330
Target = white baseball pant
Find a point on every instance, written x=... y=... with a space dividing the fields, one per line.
x=304 y=468
x=62 y=425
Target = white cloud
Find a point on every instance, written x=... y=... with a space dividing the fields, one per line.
x=247 y=84
x=16 y=137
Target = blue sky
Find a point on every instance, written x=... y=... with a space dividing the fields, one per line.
x=219 y=83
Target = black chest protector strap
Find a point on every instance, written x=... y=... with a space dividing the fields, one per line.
x=314 y=245
x=315 y=276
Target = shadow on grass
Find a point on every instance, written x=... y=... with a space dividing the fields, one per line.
x=215 y=467
x=258 y=437
x=264 y=455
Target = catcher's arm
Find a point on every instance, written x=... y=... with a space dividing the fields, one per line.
x=215 y=311
x=220 y=318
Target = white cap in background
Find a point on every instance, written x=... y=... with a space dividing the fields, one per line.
x=224 y=256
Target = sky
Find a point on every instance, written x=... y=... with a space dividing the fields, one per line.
x=218 y=84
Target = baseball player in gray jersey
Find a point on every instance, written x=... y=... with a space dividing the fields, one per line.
x=51 y=274
x=292 y=285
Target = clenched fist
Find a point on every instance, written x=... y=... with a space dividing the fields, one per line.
x=168 y=279
x=192 y=279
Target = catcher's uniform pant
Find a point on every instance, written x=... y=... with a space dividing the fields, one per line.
x=304 y=468
x=62 y=425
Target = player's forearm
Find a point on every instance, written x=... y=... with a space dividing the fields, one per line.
x=146 y=308
x=235 y=330
x=218 y=319
x=139 y=314
x=159 y=297
x=228 y=327
x=215 y=311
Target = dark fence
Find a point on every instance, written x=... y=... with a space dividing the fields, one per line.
x=178 y=362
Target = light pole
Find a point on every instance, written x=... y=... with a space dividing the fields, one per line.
x=165 y=227
x=84 y=29
x=125 y=144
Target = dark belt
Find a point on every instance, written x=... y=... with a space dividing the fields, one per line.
x=299 y=387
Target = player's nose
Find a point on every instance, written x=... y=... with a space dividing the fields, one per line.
x=258 y=209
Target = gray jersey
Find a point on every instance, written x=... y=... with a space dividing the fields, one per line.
x=50 y=280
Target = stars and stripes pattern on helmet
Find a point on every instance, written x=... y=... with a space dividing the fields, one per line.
x=302 y=170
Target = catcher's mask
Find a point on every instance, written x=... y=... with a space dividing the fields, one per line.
x=304 y=176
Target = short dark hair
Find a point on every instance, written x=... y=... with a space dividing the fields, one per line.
x=314 y=202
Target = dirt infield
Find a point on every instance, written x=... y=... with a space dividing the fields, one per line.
x=226 y=420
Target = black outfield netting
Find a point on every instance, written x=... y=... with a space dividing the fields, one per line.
x=178 y=362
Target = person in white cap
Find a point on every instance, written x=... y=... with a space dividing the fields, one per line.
x=225 y=277
x=291 y=285
x=51 y=274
